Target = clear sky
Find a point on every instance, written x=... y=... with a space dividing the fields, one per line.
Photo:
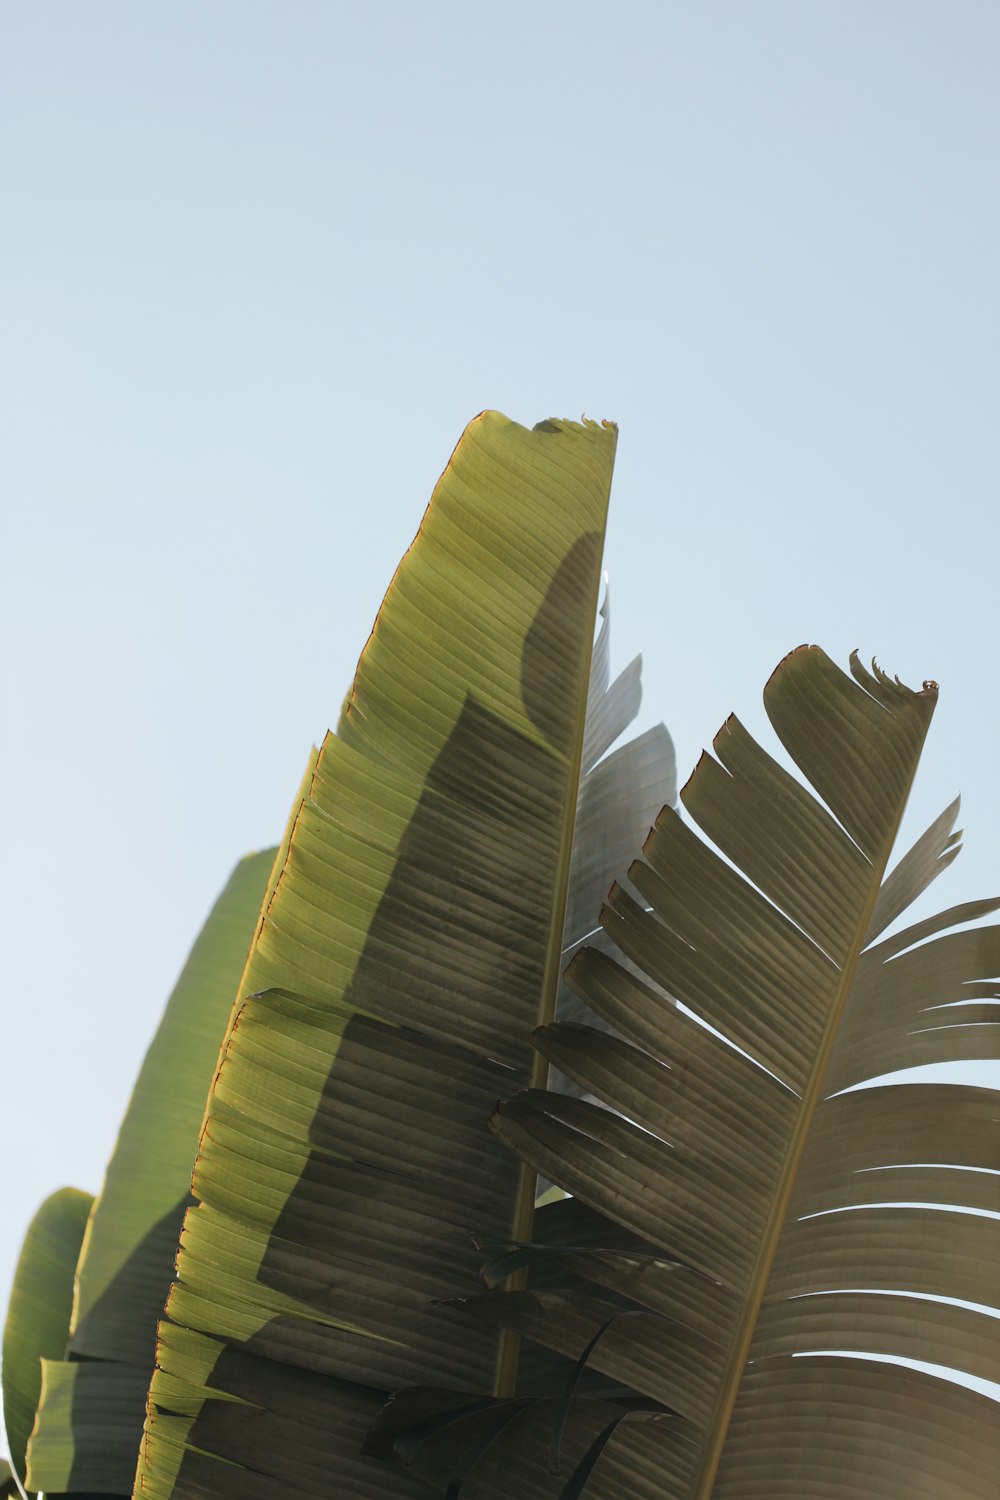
x=261 y=261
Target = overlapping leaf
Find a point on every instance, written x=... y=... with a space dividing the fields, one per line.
x=768 y=1215
x=94 y=1384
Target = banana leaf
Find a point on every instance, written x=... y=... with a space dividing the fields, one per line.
x=37 y=1325
x=620 y=795
x=786 y=1227
x=94 y=1383
x=413 y=940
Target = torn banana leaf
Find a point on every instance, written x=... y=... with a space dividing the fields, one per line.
x=620 y=795
x=812 y=1233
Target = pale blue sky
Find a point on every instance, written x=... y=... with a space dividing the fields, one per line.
x=260 y=263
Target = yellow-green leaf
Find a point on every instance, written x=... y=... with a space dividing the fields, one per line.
x=411 y=943
x=91 y=1411
x=37 y=1325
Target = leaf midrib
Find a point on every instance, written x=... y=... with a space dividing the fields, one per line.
x=811 y=1097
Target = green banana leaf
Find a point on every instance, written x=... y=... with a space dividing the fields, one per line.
x=412 y=942
x=795 y=1224
x=37 y=1325
x=94 y=1385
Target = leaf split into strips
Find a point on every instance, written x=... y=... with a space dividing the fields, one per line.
x=734 y=1182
